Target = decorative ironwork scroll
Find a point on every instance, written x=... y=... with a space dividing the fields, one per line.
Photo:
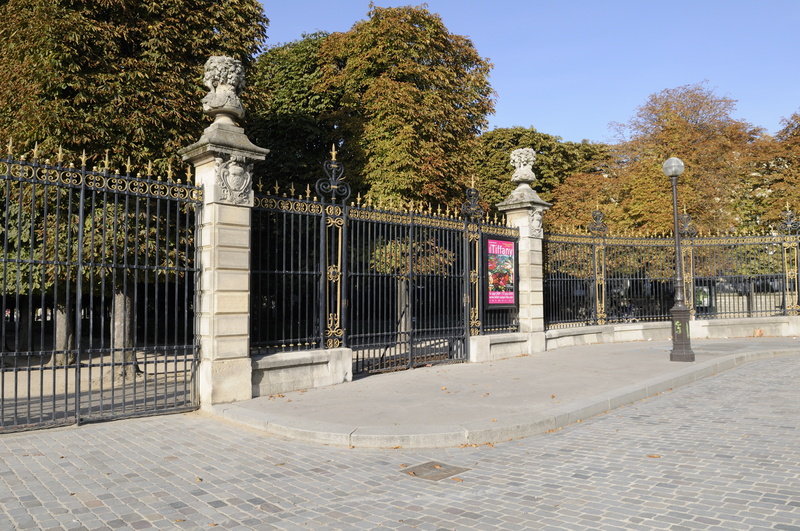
x=333 y=184
x=790 y=228
x=331 y=187
x=473 y=213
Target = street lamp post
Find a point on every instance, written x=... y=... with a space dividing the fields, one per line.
x=681 y=342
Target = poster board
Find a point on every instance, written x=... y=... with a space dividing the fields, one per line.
x=500 y=280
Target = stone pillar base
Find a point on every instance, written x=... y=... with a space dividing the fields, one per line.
x=223 y=381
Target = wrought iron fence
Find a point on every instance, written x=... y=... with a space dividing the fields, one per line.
x=97 y=289
x=400 y=286
x=597 y=278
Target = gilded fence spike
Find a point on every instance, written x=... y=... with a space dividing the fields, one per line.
x=188 y=174
x=169 y=171
x=260 y=187
x=83 y=159
x=291 y=190
x=60 y=156
x=106 y=160
x=277 y=187
x=10 y=146
x=36 y=151
x=149 y=169
x=128 y=166
x=308 y=191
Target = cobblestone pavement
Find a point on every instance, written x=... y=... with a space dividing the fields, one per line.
x=721 y=454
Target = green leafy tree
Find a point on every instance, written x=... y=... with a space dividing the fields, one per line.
x=403 y=99
x=775 y=175
x=91 y=74
x=414 y=99
x=287 y=114
x=404 y=257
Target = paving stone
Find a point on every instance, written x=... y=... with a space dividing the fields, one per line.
x=726 y=447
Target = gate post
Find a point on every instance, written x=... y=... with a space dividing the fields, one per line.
x=223 y=160
x=524 y=209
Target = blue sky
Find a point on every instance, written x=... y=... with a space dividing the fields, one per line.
x=571 y=67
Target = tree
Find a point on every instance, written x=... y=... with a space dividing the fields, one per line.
x=405 y=257
x=287 y=113
x=555 y=161
x=402 y=97
x=775 y=175
x=694 y=124
x=91 y=74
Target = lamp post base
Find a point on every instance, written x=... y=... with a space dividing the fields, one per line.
x=681 y=343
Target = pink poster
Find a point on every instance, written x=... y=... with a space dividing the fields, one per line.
x=500 y=256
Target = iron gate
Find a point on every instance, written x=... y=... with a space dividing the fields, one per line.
x=401 y=287
x=97 y=289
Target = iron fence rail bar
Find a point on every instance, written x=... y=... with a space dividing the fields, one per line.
x=725 y=276
x=386 y=283
x=90 y=234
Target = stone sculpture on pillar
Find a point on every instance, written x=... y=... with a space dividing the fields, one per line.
x=223 y=161
x=224 y=142
x=224 y=78
x=522 y=159
x=524 y=196
x=524 y=209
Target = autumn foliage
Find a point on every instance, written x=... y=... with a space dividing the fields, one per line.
x=736 y=176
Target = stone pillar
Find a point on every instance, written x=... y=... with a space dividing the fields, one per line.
x=524 y=209
x=223 y=160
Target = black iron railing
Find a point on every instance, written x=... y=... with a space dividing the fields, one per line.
x=97 y=291
x=400 y=286
x=597 y=278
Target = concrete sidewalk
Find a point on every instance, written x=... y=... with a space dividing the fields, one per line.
x=466 y=404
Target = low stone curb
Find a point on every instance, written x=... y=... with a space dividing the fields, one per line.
x=483 y=431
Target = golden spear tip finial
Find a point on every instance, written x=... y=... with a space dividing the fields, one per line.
x=128 y=166
x=10 y=145
x=787 y=206
x=333 y=152
x=83 y=158
x=149 y=168
x=36 y=151
x=60 y=157
x=169 y=171
x=472 y=182
x=188 y=174
x=106 y=160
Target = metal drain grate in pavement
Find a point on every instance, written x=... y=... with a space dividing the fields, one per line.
x=434 y=471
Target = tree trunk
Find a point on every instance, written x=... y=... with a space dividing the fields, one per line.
x=403 y=309
x=63 y=335
x=123 y=357
x=22 y=340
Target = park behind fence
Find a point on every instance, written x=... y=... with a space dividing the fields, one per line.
x=595 y=278
x=97 y=274
x=402 y=287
